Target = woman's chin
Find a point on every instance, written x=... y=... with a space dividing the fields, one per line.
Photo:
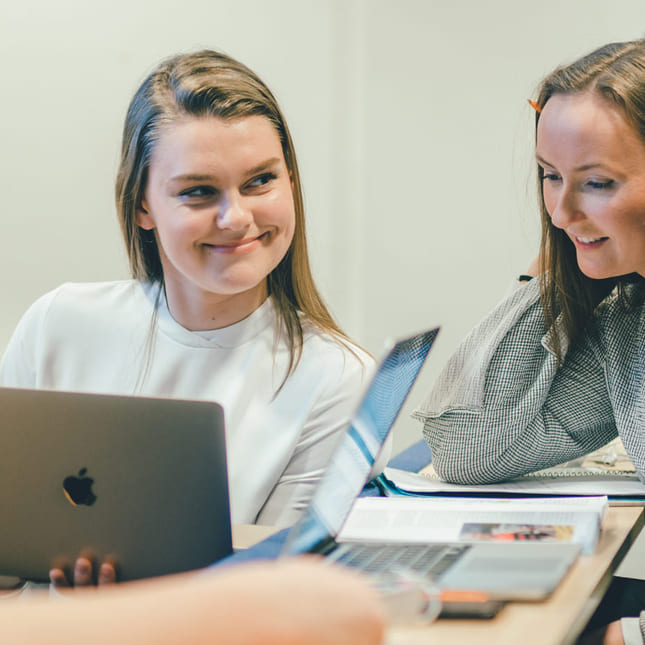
x=597 y=273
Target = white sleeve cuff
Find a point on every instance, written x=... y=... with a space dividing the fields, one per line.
x=631 y=631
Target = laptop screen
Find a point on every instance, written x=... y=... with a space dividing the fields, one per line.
x=352 y=461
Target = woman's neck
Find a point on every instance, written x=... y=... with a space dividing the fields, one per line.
x=202 y=310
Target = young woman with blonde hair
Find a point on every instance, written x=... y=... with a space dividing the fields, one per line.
x=222 y=304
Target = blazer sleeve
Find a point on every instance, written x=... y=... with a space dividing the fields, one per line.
x=503 y=406
x=633 y=630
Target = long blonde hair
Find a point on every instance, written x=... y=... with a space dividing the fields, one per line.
x=211 y=83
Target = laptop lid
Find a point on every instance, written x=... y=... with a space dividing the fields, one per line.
x=142 y=480
x=358 y=449
x=528 y=571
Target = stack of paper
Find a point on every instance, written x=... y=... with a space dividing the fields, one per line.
x=624 y=487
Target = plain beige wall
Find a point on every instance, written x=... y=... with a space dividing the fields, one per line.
x=410 y=119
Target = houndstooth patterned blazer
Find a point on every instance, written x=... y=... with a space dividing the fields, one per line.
x=502 y=407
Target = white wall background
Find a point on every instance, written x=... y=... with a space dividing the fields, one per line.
x=410 y=119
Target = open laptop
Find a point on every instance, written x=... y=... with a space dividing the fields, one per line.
x=526 y=571
x=142 y=480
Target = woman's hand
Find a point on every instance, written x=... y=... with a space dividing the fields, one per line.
x=83 y=575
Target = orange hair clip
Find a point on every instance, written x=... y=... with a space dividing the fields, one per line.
x=536 y=106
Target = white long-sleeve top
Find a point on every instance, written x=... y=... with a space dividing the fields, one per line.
x=103 y=337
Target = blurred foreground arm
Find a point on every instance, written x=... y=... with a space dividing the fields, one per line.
x=302 y=601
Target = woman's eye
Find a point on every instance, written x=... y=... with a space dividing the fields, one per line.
x=597 y=184
x=261 y=180
x=197 y=192
x=550 y=176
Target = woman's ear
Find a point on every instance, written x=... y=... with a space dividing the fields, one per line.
x=144 y=219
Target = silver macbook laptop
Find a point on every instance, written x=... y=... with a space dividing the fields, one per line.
x=141 y=480
x=503 y=571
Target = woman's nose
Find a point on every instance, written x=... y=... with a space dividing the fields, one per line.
x=234 y=213
x=566 y=210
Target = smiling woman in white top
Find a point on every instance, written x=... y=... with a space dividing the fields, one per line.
x=222 y=304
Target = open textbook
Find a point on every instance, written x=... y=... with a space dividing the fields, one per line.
x=464 y=519
x=607 y=471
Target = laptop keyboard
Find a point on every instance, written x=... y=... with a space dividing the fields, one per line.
x=425 y=559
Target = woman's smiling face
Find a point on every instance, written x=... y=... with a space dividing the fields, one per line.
x=593 y=164
x=219 y=199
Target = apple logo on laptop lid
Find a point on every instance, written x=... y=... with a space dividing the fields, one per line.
x=78 y=490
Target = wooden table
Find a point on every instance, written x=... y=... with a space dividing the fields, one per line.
x=557 y=621
x=246 y=535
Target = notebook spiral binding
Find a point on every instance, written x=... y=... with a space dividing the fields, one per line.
x=557 y=473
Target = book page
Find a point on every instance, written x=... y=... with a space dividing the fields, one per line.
x=422 y=520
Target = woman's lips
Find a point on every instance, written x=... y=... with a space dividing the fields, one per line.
x=242 y=246
x=588 y=242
